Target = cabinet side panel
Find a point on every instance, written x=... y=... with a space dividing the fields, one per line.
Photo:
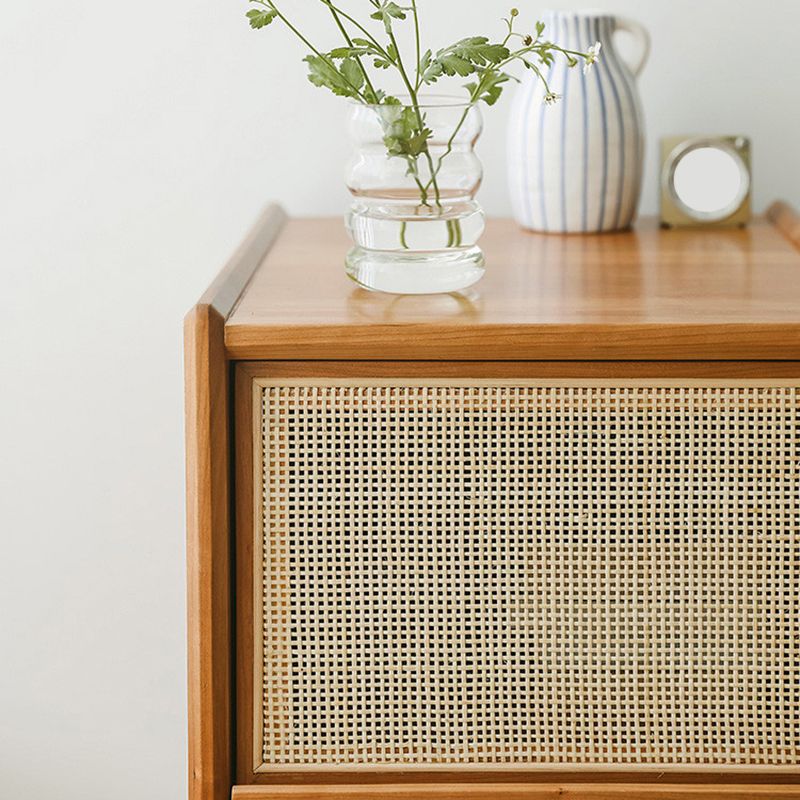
x=208 y=515
x=208 y=557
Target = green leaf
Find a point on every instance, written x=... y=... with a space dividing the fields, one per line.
x=366 y=44
x=491 y=87
x=324 y=74
x=465 y=57
x=403 y=136
x=352 y=73
x=479 y=51
x=260 y=18
x=430 y=69
x=433 y=73
x=452 y=64
x=387 y=12
x=382 y=62
x=418 y=143
x=348 y=52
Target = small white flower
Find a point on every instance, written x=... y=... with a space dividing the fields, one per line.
x=551 y=98
x=592 y=56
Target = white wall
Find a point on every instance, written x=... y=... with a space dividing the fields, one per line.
x=137 y=142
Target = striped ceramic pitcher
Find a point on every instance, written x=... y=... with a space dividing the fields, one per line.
x=577 y=166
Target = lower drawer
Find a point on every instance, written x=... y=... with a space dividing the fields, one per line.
x=494 y=575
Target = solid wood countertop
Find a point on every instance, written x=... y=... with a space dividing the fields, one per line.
x=648 y=294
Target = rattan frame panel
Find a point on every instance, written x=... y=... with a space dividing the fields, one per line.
x=625 y=555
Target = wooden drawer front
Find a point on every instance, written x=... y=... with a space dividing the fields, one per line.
x=489 y=574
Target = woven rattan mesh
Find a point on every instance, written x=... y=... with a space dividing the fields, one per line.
x=487 y=575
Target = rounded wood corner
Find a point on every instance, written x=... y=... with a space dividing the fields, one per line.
x=226 y=289
x=786 y=219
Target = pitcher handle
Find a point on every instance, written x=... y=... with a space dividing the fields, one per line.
x=641 y=34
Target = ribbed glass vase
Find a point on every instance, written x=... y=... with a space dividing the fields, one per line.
x=414 y=220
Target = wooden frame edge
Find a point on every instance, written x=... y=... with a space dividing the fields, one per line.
x=729 y=341
x=257 y=459
x=522 y=791
x=306 y=371
x=208 y=517
x=227 y=288
x=784 y=217
x=248 y=549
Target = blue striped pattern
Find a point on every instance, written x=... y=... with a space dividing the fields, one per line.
x=564 y=127
x=585 y=195
x=577 y=167
x=597 y=71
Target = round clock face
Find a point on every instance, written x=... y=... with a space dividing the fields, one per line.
x=709 y=180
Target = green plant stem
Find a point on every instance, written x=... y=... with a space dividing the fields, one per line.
x=403 y=234
x=335 y=13
x=517 y=55
x=305 y=41
x=450 y=143
x=418 y=43
x=413 y=170
x=415 y=105
x=536 y=47
x=475 y=95
x=357 y=24
x=455 y=235
x=569 y=52
x=541 y=76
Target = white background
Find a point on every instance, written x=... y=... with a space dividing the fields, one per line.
x=137 y=143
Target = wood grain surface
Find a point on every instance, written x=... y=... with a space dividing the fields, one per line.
x=650 y=294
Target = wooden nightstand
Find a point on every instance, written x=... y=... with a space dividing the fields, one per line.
x=538 y=540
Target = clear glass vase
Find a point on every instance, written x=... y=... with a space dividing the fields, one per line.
x=414 y=220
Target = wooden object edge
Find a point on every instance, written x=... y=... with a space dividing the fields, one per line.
x=208 y=516
x=540 y=342
x=309 y=371
x=784 y=217
x=224 y=292
x=522 y=791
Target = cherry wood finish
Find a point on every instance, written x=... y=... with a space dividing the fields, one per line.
x=651 y=294
x=208 y=450
x=520 y=791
